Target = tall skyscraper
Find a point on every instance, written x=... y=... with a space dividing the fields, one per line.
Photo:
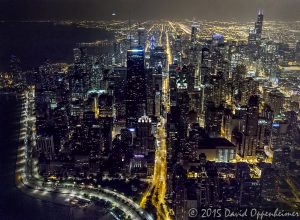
x=141 y=37
x=298 y=52
x=152 y=43
x=173 y=71
x=205 y=65
x=145 y=139
x=252 y=115
x=15 y=68
x=276 y=101
x=136 y=85
x=259 y=24
x=106 y=102
x=213 y=119
x=177 y=50
x=158 y=57
x=252 y=36
x=249 y=140
x=80 y=55
x=119 y=79
x=194 y=33
x=256 y=32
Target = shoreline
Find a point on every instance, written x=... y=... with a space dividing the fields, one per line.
x=19 y=184
x=61 y=196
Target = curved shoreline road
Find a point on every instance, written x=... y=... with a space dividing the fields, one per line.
x=26 y=182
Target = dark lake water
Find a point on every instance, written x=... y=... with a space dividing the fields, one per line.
x=15 y=205
x=34 y=42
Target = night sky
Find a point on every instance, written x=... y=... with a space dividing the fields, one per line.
x=146 y=9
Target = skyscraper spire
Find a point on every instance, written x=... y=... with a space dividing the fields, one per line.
x=152 y=43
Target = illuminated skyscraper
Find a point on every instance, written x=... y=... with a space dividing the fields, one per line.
x=173 y=71
x=96 y=76
x=80 y=55
x=136 y=86
x=298 y=52
x=217 y=94
x=213 y=119
x=141 y=37
x=249 y=142
x=177 y=50
x=252 y=115
x=15 y=68
x=259 y=24
x=194 y=33
x=217 y=39
x=152 y=43
x=145 y=138
x=158 y=57
x=205 y=65
x=106 y=105
x=276 y=101
x=252 y=37
x=119 y=79
x=256 y=32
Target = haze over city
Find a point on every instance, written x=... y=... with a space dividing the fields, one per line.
x=241 y=10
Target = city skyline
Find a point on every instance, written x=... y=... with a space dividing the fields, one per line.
x=165 y=119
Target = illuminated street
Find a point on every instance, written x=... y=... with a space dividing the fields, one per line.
x=156 y=192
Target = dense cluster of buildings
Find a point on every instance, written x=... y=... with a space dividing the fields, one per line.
x=232 y=129
x=231 y=111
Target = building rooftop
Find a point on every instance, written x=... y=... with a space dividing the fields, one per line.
x=212 y=143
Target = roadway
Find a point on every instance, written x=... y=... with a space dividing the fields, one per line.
x=156 y=191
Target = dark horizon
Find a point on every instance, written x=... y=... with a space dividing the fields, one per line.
x=241 y=10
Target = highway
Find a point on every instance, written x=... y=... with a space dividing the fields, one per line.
x=28 y=181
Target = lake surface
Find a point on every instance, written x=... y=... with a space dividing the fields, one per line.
x=34 y=42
